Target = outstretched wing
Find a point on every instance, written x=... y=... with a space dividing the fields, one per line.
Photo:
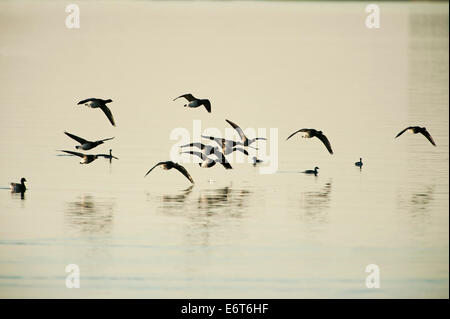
x=107 y=156
x=183 y=171
x=188 y=97
x=108 y=113
x=106 y=139
x=87 y=100
x=240 y=150
x=201 y=155
x=73 y=153
x=218 y=140
x=428 y=136
x=403 y=131
x=207 y=105
x=199 y=145
x=325 y=141
x=151 y=169
x=238 y=129
x=76 y=138
x=301 y=130
x=221 y=159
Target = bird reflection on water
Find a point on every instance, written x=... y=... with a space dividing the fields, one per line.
x=208 y=200
x=315 y=204
x=89 y=215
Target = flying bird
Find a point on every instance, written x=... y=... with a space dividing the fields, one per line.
x=88 y=158
x=244 y=138
x=18 y=187
x=226 y=144
x=85 y=144
x=312 y=171
x=418 y=129
x=209 y=162
x=208 y=149
x=169 y=165
x=360 y=163
x=310 y=132
x=194 y=102
x=99 y=103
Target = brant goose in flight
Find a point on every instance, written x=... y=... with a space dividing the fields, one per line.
x=18 y=187
x=208 y=149
x=309 y=133
x=85 y=144
x=418 y=129
x=194 y=102
x=99 y=103
x=310 y=171
x=209 y=162
x=244 y=138
x=169 y=165
x=226 y=144
x=89 y=158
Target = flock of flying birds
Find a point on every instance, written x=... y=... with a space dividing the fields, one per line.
x=210 y=155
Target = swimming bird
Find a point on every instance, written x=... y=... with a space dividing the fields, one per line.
x=85 y=144
x=418 y=129
x=88 y=158
x=18 y=187
x=99 y=103
x=209 y=149
x=244 y=138
x=256 y=161
x=360 y=163
x=209 y=162
x=194 y=102
x=310 y=132
x=310 y=171
x=169 y=165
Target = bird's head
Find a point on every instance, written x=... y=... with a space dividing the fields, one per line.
x=316 y=168
x=23 y=180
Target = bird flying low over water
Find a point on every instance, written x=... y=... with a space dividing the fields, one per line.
x=209 y=162
x=226 y=144
x=18 y=187
x=194 y=102
x=360 y=163
x=208 y=149
x=310 y=132
x=169 y=165
x=418 y=129
x=310 y=171
x=88 y=158
x=244 y=138
x=99 y=103
x=85 y=144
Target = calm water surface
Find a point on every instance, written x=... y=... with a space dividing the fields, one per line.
x=235 y=233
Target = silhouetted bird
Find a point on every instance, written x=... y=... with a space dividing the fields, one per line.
x=18 y=187
x=209 y=162
x=244 y=138
x=85 y=144
x=88 y=158
x=99 y=103
x=194 y=102
x=169 y=165
x=309 y=133
x=418 y=129
x=310 y=171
